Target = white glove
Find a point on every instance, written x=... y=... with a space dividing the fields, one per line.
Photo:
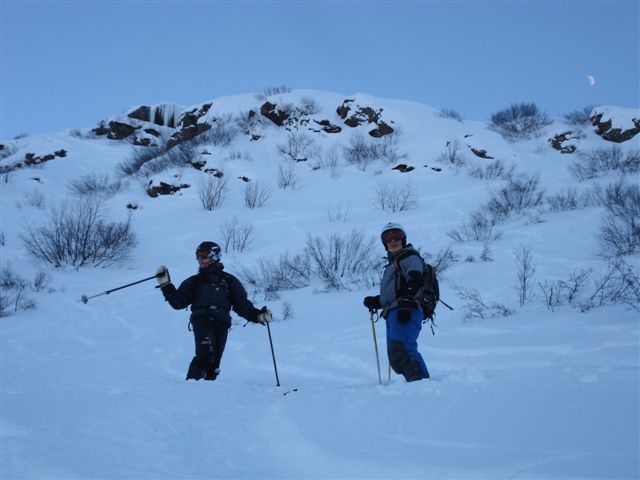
x=264 y=316
x=162 y=275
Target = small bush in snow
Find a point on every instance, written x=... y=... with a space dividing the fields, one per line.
x=601 y=161
x=620 y=229
x=76 y=235
x=287 y=176
x=300 y=147
x=343 y=261
x=94 y=184
x=287 y=311
x=519 y=121
x=517 y=195
x=452 y=155
x=256 y=195
x=620 y=283
x=491 y=171
x=139 y=157
x=338 y=213
x=449 y=113
x=268 y=91
x=524 y=274
x=13 y=290
x=480 y=227
x=248 y=122
x=565 y=291
x=36 y=199
x=567 y=199
x=476 y=307
x=309 y=106
x=394 y=197
x=212 y=191
x=222 y=132
x=359 y=152
x=236 y=236
x=284 y=273
x=579 y=117
x=442 y=260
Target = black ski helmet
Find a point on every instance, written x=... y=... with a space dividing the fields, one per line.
x=210 y=249
x=389 y=227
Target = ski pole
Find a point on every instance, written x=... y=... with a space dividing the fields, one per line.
x=273 y=355
x=375 y=344
x=85 y=299
x=445 y=304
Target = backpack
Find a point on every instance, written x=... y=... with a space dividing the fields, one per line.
x=430 y=288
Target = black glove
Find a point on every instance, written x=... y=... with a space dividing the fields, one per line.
x=405 y=306
x=372 y=303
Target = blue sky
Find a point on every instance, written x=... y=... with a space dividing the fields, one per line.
x=70 y=64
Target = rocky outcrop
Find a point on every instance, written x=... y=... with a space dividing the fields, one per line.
x=403 y=167
x=115 y=130
x=328 y=127
x=188 y=126
x=478 y=152
x=560 y=138
x=355 y=115
x=608 y=132
x=30 y=159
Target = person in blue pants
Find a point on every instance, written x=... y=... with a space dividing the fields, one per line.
x=402 y=300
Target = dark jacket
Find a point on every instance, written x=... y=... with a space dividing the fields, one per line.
x=212 y=292
x=411 y=269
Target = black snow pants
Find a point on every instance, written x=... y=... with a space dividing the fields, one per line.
x=210 y=335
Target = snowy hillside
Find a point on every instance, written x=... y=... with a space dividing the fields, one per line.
x=531 y=378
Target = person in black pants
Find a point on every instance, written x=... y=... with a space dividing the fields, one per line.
x=212 y=293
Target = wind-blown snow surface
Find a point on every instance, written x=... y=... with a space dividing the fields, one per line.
x=96 y=390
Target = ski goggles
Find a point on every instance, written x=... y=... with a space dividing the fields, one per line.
x=203 y=255
x=392 y=236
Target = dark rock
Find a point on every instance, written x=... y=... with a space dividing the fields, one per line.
x=244 y=179
x=120 y=130
x=141 y=142
x=215 y=172
x=328 y=127
x=616 y=135
x=343 y=110
x=132 y=206
x=270 y=111
x=165 y=189
x=141 y=113
x=101 y=129
x=190 y=118
x=198 y=164
x=480 y=153
x=151 y=131
x=382 y=130
x=559 y=139
x=436 y=169
x=403 y=168
x=60 y=153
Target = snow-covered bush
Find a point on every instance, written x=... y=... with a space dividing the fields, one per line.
x=560 y=292
x=395 y=197
x=491 y=170
x=524 y=274
x=76 y=235
x=620 y=283
x=620 y=229
x=452 y=154
x=300 y=147
x=480 y=227
x=256 y=194
x=450 y=113
x=268 y=91
x=287 y=272
x=13 y=291
x=519 y=121
x=236 y=236
x=520 y=193
x=287 y=176
x=567 y=199
x=476 y=307
x=222 y=132
x=343 y=261
x=601 y=161
x=94 y=184
x=139 y=157
x=579 y=117
x=212 y=191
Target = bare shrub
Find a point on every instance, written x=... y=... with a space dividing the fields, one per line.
x=386 y=148
x=579 y=117
x=442 y=260
x=450 y=113
x=139 y=157
x=359 y=152
x=287 y=176
x=256 y=194
x=338 y=213
x=7 y=151
x=560 y=292
x=300 y=147
x=248 y=122
x=36 y=199
x=452 y=154
x=480 y=227
x=268 y=91
x=519 y=194
x=491 y=170
x=13 y=288
x=212 y=191
x=222 y=132
x=94 y=184
x=476 y=307
x=395 y=197
x=287 y=272
x=343 y=261
x=567 y=199
x=524 y=274
x=620 y=229
x=236 y=236
x=287 y=311
x=519 y=121
x=76 y=235
x=601 y=161
x=620 y=283
x=309 y=106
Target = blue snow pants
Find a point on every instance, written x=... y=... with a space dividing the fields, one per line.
x=402 y=346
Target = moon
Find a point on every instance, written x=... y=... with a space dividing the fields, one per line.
x=592 y=80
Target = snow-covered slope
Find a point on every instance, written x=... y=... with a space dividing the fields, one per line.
x=96 y=390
